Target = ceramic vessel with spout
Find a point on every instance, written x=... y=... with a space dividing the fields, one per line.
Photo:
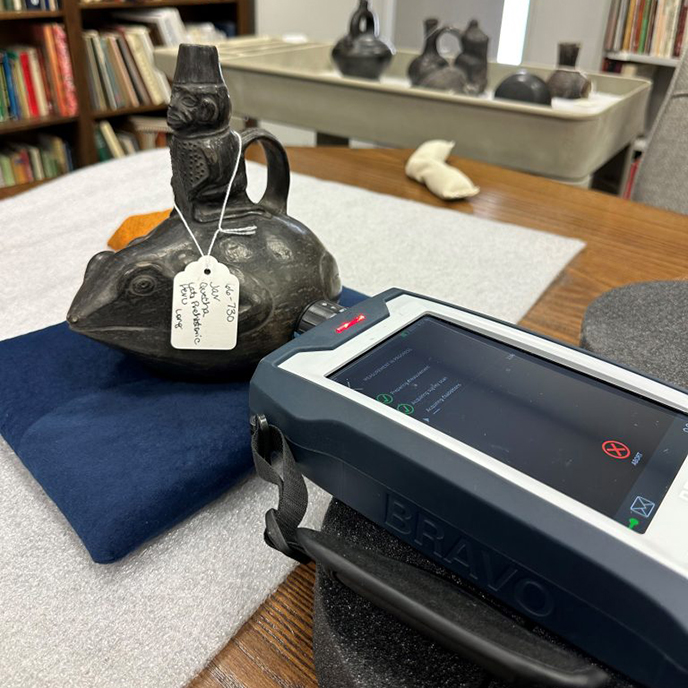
x=362 y=52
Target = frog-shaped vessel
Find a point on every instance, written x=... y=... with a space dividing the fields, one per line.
x=125 y=300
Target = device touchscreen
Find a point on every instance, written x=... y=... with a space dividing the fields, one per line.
x=607 y=448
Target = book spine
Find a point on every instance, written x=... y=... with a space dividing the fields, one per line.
x=4 y=100
x=643 y=28
x=659 y=17
x=102 y=150
x=650 y=28
x=161 y=79
x=36 y=164
x=19 y=86
x=144 y=66
x=50 y=53
x=102 y=69
x=65 y=65
x=611 y=25
x=638 y=25
x=680 y=28
x=7 y=171
x=38 y=83
x=668 y=44
x=100 y=102
x=11 y=92
x=28 y=82
x=628 y=35
x=125 y=80
x=133 y=71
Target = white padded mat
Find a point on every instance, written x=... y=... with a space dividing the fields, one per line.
x=154 y=619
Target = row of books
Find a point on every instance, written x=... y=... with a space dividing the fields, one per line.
x=167 y=28
x=136 y=134
x=21 y=163
x=37 y=80
x=24 y=5
x=648 y=27
x=121 y=72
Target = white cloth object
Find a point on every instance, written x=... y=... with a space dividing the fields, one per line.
x=154 y=619
x=428 y=166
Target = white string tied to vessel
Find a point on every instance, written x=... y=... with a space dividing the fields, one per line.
x=239 y=231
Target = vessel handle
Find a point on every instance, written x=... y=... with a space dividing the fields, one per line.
x=452 y=31
x=277 y=190
x=369 y=21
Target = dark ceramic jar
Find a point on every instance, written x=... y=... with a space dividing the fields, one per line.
x=525 y=87
x=362 y=53
x=567 y=81
x=430 y=59
x=473 y=57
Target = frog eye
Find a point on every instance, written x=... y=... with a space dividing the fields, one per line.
x=143 y=285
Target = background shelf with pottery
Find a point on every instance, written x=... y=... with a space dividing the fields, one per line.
x=77 y=127
x=297 y=84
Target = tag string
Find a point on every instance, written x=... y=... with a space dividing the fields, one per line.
x=250 y=229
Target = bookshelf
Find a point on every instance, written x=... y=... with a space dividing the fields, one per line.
x=639 y=58
x=76 y=17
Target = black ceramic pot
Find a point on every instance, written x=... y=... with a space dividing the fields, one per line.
x=525 y=87
x=567 y=81
x=125 y=300
x=430 y=59
x=362 y=53
x=473 y=58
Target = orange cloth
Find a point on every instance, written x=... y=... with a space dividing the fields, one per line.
x=136 y=226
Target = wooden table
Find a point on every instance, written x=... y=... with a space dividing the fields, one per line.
x=626 y=242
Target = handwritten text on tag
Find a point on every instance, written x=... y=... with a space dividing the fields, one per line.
x=205 y=306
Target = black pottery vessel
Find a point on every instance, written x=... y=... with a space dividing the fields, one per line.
x=567 y=81
x=473 y=58
x=125 y=300
x=362 y=53
x=525 y=87
x=430 y=59
x=447 y=77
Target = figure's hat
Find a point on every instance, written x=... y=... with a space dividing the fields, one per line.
x=198 y=64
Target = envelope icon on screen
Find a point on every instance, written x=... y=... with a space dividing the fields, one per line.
x=643 y=507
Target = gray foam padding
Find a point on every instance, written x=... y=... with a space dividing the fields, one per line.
x=643 y=326
x=357 y=645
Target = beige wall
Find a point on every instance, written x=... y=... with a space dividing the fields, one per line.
x=320 y=20
x=552 y=21
x=408 y=27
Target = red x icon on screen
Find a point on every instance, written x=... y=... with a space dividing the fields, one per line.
x=616 y=449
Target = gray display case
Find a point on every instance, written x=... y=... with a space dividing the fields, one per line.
x=296 y=84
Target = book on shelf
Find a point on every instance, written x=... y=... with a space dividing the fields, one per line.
x=37 y=80
x=120 y=69
x=134 y=135
x=166 y=25
x=22 y=163
x=655 y=28
x=168 y=29
x=28 y=5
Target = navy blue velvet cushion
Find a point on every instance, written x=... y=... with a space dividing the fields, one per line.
x=123 y=453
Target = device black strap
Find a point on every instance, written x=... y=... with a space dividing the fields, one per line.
x=275 y=463
x=429 y=603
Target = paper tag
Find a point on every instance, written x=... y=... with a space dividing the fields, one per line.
x=205 y=306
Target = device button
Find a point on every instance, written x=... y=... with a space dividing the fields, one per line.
x=643 y=507
x=616 y=449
